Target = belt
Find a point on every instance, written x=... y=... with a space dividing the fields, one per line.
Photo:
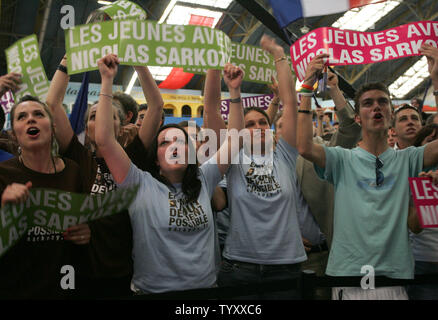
x=263 y=266
x=319 y=247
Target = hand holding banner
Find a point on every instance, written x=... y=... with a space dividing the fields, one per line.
x=57 y=210
x=136 y=43
x=348 y=47
x=425 y=195
x=24 y=57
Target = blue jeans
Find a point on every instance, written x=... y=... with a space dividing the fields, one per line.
x=236 y=273
x=424 y=291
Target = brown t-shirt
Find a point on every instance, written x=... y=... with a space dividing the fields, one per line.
x=31 y=268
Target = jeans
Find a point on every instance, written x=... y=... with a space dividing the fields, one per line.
x=236 y=273
x=424 y=291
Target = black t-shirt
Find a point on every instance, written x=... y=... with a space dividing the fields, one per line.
x=111 y=237
x=32 y=267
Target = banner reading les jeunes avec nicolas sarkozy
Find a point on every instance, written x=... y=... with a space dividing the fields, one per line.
x=347 y=47
x=148 y=43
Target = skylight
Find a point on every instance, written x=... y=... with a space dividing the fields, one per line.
x=364 y=18
x=410 y=79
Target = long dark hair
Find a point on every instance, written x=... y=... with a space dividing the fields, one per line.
x=191 y=185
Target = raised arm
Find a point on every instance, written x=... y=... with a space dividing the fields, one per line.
x=309 y=150
x=58 y=86
x=233 y=79
x=151 y=122
x=286 y=88
x=431 y=54
x=115 y=157
x=348 y=133
x=212 y=103
x=275 y=102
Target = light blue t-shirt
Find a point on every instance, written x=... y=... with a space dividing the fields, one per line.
x=262 y=197
x=173 y=240
x=370 y=221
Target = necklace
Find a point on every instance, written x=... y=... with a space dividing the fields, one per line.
x=51 y=166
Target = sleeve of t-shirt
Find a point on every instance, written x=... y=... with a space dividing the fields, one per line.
x=82 y=156
x=210 y=174
x=333 y=159
x=416 y=155
x=287 y=153
x=135 y=176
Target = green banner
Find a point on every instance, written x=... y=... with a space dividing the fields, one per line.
x=24 y=57
x=57 y=210
x=122 y=10
x=149 y=43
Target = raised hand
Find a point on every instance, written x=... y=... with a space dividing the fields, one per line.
x=268 y=44
x=431 y=54
x=314 y=68
x=108 y=66
x=9 y=81
x=233 y=76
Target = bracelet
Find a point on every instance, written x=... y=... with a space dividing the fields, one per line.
x=275 y=103
x=280 y=59
x=304 y=111
x=305 y=90
x=305 y=86
x=306 y=94
x=62 y=68
x=106 y=95
x=235 y=100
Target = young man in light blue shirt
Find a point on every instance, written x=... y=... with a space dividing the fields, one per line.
x=371 y=191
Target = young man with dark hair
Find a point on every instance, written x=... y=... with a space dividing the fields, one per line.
x=371 y=192
x=407 y=123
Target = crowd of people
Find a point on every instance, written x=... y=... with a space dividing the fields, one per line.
x=331 y=198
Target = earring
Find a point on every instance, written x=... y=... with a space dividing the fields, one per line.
x=19 y=150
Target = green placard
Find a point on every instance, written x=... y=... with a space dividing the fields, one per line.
x=24 y=57
x=122 y=10
x=57 y=210
x=194 y=48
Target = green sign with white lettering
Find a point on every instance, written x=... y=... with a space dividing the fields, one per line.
x=194 y=48
x=24 y=57
x=56 y=211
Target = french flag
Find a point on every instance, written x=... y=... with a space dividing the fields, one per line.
x=287 y=11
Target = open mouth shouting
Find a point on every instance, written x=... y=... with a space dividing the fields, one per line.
x=33 y=132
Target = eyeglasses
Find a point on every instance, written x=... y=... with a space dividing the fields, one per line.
x=379 y=174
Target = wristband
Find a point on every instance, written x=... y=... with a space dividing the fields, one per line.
x=305 y=86
x=62 y=68
x=235 y=100
x=306 y=94
x=106 y=95
x=304 y=111
x=280 y=59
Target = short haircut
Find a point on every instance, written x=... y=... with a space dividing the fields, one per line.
x=143 y=106
x=128 y=103
x=405 y=107
x=368 y=87
x=259 y=110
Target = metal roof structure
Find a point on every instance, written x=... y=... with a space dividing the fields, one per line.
x=244 y=21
